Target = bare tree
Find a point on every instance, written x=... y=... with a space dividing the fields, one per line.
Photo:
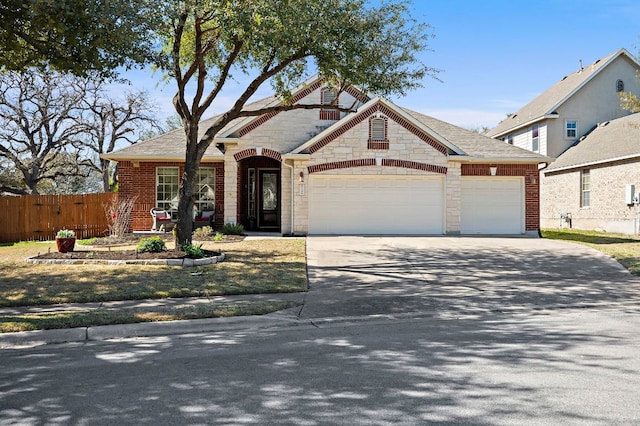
x=109 y=122
x=53 y=128
x=37 y=127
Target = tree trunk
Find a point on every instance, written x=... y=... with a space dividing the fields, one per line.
x=106 y=186
x=186 y=192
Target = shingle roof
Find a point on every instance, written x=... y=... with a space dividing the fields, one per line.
x=171 y=146
x=474 y=144
x=556 y=95
x=610 y=141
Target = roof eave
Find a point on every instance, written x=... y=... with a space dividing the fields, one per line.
x=164 y=158
x=526 y=124
x=501 y=160
x=593 y=163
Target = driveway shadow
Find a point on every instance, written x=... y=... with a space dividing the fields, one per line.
x=364 y=276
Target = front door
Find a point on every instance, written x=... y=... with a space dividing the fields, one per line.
x=269 y=199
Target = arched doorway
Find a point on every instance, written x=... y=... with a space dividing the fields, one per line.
x=259 y=194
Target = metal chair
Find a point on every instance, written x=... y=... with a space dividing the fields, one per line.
x=160 y=217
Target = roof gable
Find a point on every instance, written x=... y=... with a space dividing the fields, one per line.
x=392 y=111
x=546 y=104
x=247 y=124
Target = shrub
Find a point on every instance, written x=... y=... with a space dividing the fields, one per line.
x=192 y=250
x=232 y=229
x=66 y=233
x=151 y=245
x=203 y=232
x=218 y=237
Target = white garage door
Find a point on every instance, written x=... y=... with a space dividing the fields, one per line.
x=360 y=205
x=492 y=205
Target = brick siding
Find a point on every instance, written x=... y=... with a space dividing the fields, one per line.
x=531 y=186
x=139 y=180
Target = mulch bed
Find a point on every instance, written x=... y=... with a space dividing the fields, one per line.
x=121 y=255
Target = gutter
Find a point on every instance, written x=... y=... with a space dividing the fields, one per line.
x=593 y=163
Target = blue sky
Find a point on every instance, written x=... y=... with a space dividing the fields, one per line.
x=494 y=56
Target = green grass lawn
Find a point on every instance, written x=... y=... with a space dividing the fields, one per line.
x=623 y=248
x=250 y=267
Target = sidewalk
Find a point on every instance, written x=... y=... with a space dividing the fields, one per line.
x=82 y=334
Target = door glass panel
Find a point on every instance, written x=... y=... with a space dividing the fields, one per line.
x=269 y=191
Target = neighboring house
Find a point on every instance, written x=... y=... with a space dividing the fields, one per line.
x=557 y=118
x=589 y=186
x=380 y=170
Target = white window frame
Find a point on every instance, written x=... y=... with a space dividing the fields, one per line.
x=535 y=138
x=568 y=129
x=585 y=188
x=167 y=185
x=206 y=189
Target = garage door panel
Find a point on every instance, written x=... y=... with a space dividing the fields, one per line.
x=375 y=205
x=492 y=206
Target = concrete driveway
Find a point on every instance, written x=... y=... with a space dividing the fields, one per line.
x=352 y=276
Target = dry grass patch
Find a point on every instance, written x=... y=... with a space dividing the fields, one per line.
x=70 y=319
x=623 y=248
x=256 y=266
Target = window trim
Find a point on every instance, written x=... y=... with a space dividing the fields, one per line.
x=535 y=138
x=585 y=188
x=329 y=114
x=200 y=186
x=567 y=129
x=378 y=142
x=168 y=204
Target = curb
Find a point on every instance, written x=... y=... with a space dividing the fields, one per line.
x=25 y=339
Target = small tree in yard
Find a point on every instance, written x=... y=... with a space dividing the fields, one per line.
x=210 y=45
x=118 y=213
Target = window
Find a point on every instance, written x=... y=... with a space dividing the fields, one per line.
x=167 y=182
x=167 y=188
x=619 y=86
x=206 y=195
x=571 y=129
x=378 y=133
x=510 y=139
x=328 y=97
x=585 y=188
x=535 y=140
x=378 y=129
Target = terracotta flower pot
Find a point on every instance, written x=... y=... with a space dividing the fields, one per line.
x=65 y=244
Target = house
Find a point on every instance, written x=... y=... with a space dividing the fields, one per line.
x=569 y=109
x=382 y=169
x=592 y=185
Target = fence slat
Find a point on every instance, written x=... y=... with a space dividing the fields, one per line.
x=39 y=217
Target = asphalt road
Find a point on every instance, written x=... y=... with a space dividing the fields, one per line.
x=560 y=367
x=392 y=331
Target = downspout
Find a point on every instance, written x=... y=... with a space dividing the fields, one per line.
x=284 y=162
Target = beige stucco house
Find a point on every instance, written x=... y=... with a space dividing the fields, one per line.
x=594 y=183
x=381 y=169
x=569 y=109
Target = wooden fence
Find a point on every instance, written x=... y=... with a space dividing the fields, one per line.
x=39 y=217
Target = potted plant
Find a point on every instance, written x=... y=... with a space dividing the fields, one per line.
x=65 y=240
